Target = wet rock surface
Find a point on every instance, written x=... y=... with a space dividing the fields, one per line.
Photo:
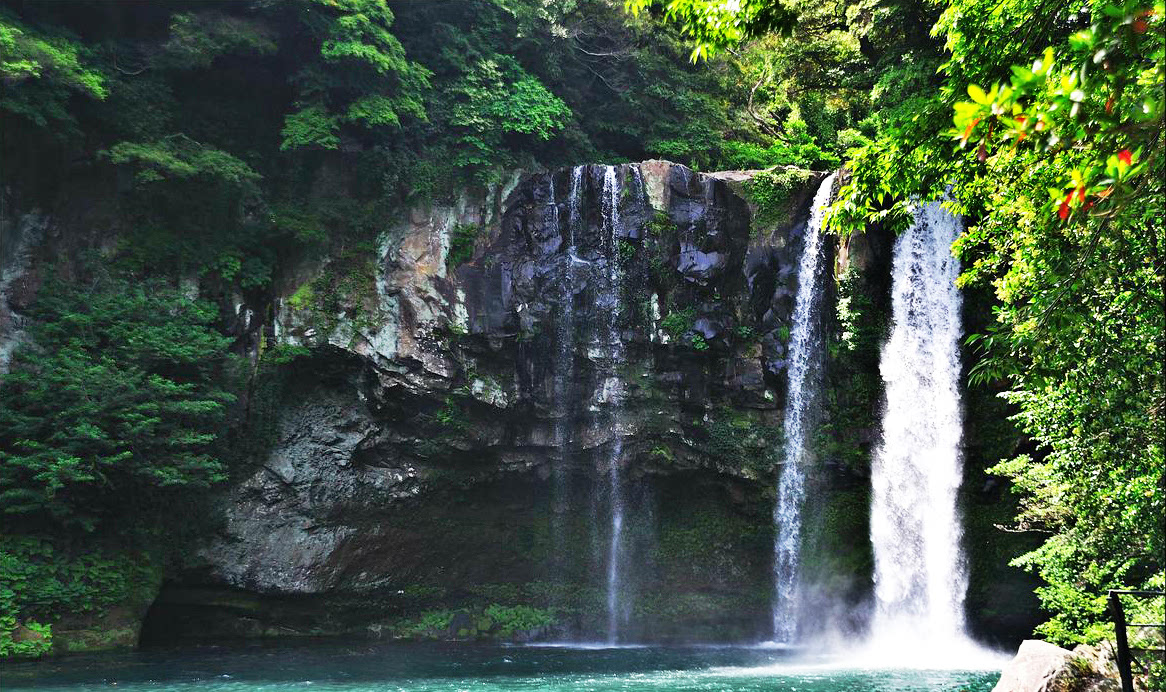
x=454 y=394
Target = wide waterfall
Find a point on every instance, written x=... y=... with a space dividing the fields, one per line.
x=803 y=358
x=920 y=575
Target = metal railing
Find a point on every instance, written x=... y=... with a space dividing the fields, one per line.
x=1125 y=654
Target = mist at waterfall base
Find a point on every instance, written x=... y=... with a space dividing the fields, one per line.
x=920 y=576
x=329 y=666
x=916 y=620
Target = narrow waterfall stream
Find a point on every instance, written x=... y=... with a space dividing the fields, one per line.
x=920 y=575
x=612 y=397
x=804 y=356
x=564 y=368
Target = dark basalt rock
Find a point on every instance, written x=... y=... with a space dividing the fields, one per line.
x=448 y=444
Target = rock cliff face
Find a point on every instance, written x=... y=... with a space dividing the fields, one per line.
x=443 y=422
x=448 y=439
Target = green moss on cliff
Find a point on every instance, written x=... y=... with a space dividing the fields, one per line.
x=771 y=194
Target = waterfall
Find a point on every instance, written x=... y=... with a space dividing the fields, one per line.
x=612 y=394
x=573 y=209
x=803 y=357
x=920 y=576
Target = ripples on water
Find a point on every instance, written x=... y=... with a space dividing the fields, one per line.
x=324 y=667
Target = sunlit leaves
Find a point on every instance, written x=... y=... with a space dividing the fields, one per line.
x=715 y=25
x=361 y=77
x=180 y=157
x=41 y=71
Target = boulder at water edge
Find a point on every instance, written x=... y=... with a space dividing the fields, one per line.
x=1044 y=667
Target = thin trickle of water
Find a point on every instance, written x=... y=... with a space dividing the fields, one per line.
x=573 y=207
x=920 y=575
x=564 y=375
x=803 y=357
x=612 y=396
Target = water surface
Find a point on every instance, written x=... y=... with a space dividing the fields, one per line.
x=327 y=667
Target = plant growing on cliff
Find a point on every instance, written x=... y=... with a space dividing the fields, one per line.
x=462 y=238
x=678 y=322
x=113 y=408
x=770 y=194
x=41 y=578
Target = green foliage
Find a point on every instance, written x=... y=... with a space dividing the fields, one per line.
x=753 y=447
x=495 y=621
x=745 y=333
x=678 y=322
x=115 y=398
x=678 y=325
x=1076 y=159
x=310 y=126
x=510 y=619
x=713 y=25
x=861 y=330
x=770 y=193
x=359 y=76
x=796 y=147
x=626 y=251
x=28 y=639
x=198 y=38
x=462 y=238
x=496 y=98
x=40 y=578
x=181 y=157
x=42 y=70
x=282 y=354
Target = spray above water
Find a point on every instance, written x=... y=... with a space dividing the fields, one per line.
x=803 y=358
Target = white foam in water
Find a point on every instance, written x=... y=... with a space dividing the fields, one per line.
x=920 y=572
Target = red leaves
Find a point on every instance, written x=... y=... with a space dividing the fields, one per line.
x=1022 y=124
x=968 y=131
x=1140 y=24
x=1065 y=209
x=1125 y=157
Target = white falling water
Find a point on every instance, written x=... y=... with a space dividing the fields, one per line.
x=611 y=304
x=803 y=356
x=573 y=208
x=920 y=575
